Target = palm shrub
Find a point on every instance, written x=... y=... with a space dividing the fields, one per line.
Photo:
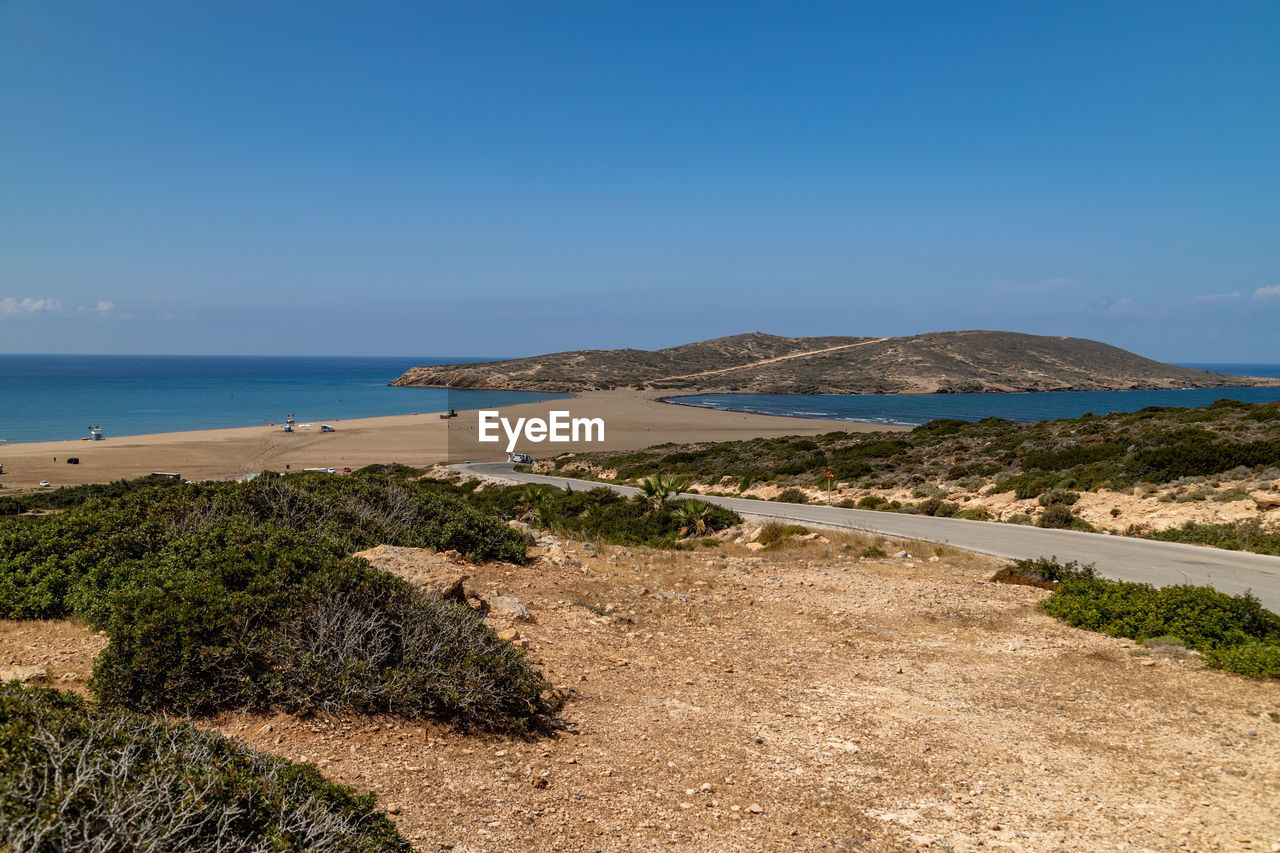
x=656 y=491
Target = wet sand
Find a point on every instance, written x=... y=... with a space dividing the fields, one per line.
x=633 y=420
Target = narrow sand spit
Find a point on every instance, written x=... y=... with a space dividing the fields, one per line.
x=633 y=420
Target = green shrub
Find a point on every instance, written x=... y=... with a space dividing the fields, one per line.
x=305 y=634
x=221 y=596
x=936 y=507
x=874 y=552
x=1057 y=516
x=773 y=534
x=977 y=513
x=1044 y=572
x=1058 y=496
x=872 y=502
x=1201 y=618
x=1252 y=660
x=76 y=777
x=792 y=496
x=1071 y=457
x=1245 y=535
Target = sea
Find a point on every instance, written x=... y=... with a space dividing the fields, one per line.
x=59 y=397
x=915 y=409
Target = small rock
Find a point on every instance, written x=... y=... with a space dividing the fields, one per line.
x=509 y=606
x=754 y=546
x=23 y=674
x=754 y=808
x=900 y=554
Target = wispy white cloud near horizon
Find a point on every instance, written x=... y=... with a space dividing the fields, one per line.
x=12 y=307
x=1266 y=292
x=102 y=309
x=1218 y=297
x=1124 y=303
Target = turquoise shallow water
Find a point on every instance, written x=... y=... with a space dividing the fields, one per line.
x=55 y=397
x=913 y=409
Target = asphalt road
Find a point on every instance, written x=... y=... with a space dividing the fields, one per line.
x=1121 y=557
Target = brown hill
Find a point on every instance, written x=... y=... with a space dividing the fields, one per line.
x=937 y=362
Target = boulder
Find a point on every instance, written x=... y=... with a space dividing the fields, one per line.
x=1266 y=500
x=435 y=574
x=23 y=674
x=529 y=539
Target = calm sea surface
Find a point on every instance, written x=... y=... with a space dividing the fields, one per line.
x=912 y=409
x=55 y=397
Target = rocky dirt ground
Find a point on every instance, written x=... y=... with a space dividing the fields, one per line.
x=1150 y=509
x=804 y=699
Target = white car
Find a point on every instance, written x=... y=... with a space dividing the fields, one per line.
x=44 y=483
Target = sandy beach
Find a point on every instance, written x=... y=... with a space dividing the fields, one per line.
x=633 y=420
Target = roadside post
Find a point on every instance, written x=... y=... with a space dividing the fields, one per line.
x=829 y=477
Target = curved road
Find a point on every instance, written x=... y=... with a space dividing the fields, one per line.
x=1159 y=563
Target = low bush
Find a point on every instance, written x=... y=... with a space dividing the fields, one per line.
x=874 y=552
x=1056 y=516
x=773 y=534
x=1252 y=660
x=1245 y=535
x=602 y=515
x=1233 y=632
x=872 y=502
x=939 y=508
x=976 y=513
x=1044 y=572
x=331 y=636
x=76 y=777
x=792 y=496
x=1058 y=496
x=242 y=595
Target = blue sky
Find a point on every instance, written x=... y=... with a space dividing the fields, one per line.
x=511 y=178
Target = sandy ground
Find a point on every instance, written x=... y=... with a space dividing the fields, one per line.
x=806 y=699
x=633 y=420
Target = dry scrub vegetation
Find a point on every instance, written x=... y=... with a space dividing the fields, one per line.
x=1208 y=475
x=804 y=697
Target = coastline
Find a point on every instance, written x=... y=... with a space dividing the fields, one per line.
x=912 y=409
x=633 y=419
